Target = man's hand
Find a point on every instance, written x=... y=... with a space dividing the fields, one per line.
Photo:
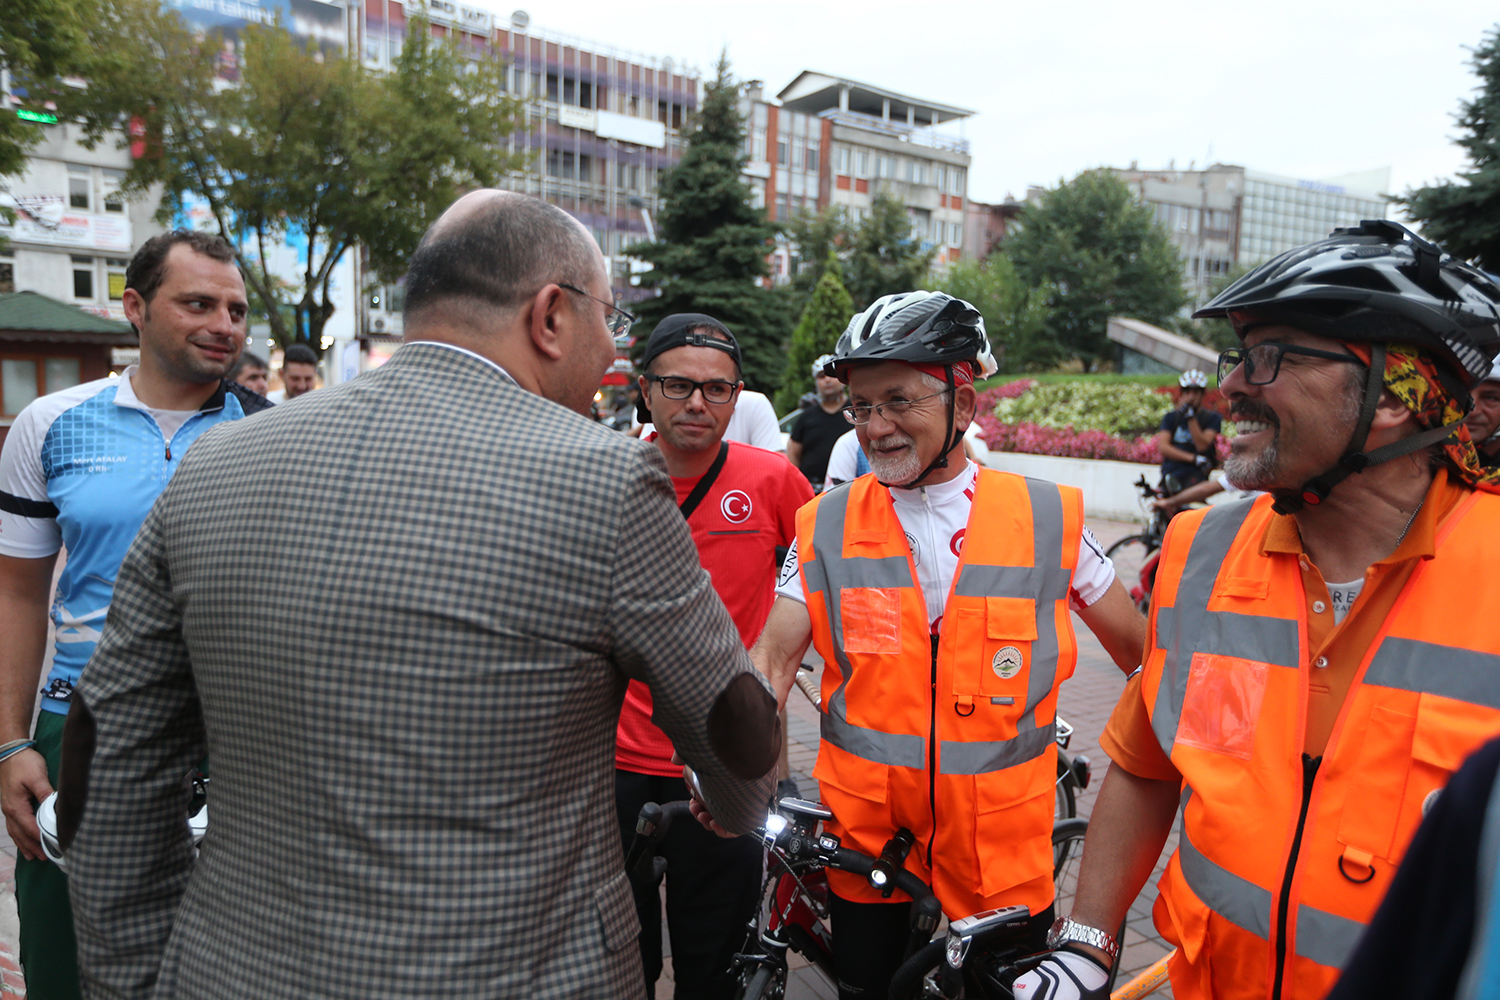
x=1203 y=462
x=695 y=800
x=1067 y=975
x=23 y=783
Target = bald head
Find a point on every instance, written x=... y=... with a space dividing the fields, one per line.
x=488 y=253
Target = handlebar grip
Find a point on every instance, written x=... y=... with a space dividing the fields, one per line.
x=808 y=686
x=645 y=834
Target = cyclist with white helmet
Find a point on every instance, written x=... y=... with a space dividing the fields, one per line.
x=1484 y=420
x=938 y=595
x=819 y=426
x=1189 y=434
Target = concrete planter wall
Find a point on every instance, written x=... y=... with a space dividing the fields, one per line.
x=1108 y=487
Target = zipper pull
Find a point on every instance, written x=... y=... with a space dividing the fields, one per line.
x=169 y=451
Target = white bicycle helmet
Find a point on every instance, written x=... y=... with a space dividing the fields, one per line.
x=1193 y=378
x=920 y=327
x=824 y=360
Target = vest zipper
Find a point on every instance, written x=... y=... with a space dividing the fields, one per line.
x=932 y=754
x=1309 y=774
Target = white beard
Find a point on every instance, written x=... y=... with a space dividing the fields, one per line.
x=898 y=469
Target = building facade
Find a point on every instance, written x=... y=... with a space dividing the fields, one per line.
x=601 y=125
x=1226 y=216
x=832 y=141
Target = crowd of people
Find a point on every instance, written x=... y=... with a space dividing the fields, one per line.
x=514 y=626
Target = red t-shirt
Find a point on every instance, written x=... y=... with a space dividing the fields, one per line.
x=750 y=509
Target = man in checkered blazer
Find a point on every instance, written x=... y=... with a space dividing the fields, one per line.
x=412 y=731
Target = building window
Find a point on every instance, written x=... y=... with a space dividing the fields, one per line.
x=918 y=173
x=941 y=178
x=811 y=163
x=7 y=276
x=114 y=271
x=862 y=163
x=83 y=278
x=843 y=159
x=79 y=181
x=24 y=379
x=758 y=145
x=113 y=180
x=781 y=152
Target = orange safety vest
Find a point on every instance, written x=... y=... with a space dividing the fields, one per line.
x=1281 y=861
x=952 y=737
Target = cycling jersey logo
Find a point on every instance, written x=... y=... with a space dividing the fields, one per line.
x=735 y=506
x=956 y=543
x=1007 y=662
x=916 y=550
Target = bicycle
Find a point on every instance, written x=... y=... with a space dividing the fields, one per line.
x=1135 y=556
x=1073 y=773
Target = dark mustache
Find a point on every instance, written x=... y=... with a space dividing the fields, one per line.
x=1245 y=409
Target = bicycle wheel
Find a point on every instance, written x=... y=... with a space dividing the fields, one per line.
x=1067 y=804
x=1129 y=555
x=765 y=984
x=1067 y=852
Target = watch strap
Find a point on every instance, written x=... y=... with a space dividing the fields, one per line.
x=1065 y=930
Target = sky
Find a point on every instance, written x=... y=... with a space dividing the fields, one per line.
x=1309 y=89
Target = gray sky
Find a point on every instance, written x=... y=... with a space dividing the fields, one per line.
x=1308 y=89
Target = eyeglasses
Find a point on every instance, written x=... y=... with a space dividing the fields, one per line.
x=859 y=413
x=618 y=321
x=714 y=391
x=1263 y=361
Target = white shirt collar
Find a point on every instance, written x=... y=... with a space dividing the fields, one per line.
x=942 y=492
x=465 y=350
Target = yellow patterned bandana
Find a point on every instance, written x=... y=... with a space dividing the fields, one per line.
x=1413 y=379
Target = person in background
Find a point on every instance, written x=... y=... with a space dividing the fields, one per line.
x=299 y=373
x=819 y=426
x=251 y=372
x=1189 y=435
x=1484 y=420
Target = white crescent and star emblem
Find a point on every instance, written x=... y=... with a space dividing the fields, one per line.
x=735 y=506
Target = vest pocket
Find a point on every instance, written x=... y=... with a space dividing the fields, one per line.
x=993 y=644
x=1372 y=805
x=1013 y=826
x=871 y=618
x=1222 y=704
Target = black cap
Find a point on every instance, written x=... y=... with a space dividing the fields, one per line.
x=679 y=330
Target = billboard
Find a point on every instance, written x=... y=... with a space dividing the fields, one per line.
x=322 y=23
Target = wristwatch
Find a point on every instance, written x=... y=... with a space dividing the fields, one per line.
x=1065 y=930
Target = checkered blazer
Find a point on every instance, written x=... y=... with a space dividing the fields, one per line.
x=400 y=615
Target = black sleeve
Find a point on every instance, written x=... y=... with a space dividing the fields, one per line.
x=1169 y=420
x=1421 y=934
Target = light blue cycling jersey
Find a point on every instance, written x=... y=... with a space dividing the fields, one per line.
x=81 y=468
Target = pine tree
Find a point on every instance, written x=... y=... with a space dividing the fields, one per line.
x=1464 y=215
x=712 y=243
x=817 y=333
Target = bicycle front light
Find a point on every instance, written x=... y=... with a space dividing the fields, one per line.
x=775 y=824
x=958 y=947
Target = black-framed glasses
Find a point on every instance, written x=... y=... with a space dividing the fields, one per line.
x=859 y=413
x=714 y=390
x=618 y=320
x=1263 y=361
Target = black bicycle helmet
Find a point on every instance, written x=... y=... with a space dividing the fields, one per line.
x=1377 y=282
x=924 y=328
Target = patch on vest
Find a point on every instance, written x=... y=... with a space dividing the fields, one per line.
x=1007 y=662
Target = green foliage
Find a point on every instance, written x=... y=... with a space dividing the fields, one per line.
x=1015 y=314
x=817 y=333
x=322 y=148
x=1122 y=408
x=41 y=41
x=1464 y=215
x=879 y=254
x=1217 y=332
x=1100 y=254
x=712 y=242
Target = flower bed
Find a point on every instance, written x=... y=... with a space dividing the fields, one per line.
x=1012 y=417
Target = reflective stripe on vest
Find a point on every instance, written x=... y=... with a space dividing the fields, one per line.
x=1428 y=668
x=1195 y=629
x=1322 y=937
x=832 y=572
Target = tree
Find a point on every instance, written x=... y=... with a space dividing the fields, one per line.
x=1101 y=254
x=321 y=151
x=1464 y=215
x=41 y=41
x=712 y=243
x=1015 y=314
x=817 y=333
x=880 y=255
x=1216 y=333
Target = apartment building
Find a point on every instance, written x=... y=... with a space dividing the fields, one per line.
x=1226 y=215
x=828 y=140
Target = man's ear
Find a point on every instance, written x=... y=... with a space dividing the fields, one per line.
x=134 y=306
x=547 y=323
x=965 y=400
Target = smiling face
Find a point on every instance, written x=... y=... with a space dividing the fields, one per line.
x=900 y=446
x=193 y=328
x=299 y=377
x=690 y=425
x=1484 y=419
x=1298 y=426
